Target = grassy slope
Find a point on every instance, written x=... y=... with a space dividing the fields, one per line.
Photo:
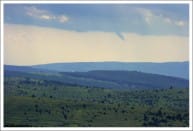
x=36 y=103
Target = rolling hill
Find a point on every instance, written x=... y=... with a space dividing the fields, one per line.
x=98 y=98
x=104 y=78
x=176 y=69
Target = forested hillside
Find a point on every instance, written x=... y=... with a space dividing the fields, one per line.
x=42 y=103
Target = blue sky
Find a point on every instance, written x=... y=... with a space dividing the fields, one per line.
x=143 y=19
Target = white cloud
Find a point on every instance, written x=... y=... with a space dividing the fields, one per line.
x=167 y=20
x=45 y=15
x=34 y=12
x=63 y=19
x=27 y=45
x=150 y=17
x=180 y=23
x=147 y=14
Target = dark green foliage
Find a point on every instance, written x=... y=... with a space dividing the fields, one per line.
x=42 y=103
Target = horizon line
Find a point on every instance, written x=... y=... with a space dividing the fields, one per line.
x=71 y=62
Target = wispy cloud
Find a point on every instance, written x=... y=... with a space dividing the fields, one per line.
x=45 y=15
x=150 y=17
x=143 y=19
x=147 y=14
x=180 y=23
x=62 y=19
x=167 y=20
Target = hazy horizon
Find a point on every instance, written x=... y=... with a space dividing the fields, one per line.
x=101 y=62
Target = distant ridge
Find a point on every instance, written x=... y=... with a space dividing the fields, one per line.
x=175 y=69
x=106 y=79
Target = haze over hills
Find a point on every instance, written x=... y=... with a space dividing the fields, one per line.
x=176 y=69
x=100 y=78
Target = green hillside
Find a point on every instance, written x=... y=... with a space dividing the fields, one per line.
x=43 y=103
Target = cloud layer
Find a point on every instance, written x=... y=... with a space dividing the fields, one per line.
x=28 y=45
x=150 y=17
x=142 y=19
x=45 y=15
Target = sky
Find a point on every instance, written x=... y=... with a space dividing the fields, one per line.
x=51 y=33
